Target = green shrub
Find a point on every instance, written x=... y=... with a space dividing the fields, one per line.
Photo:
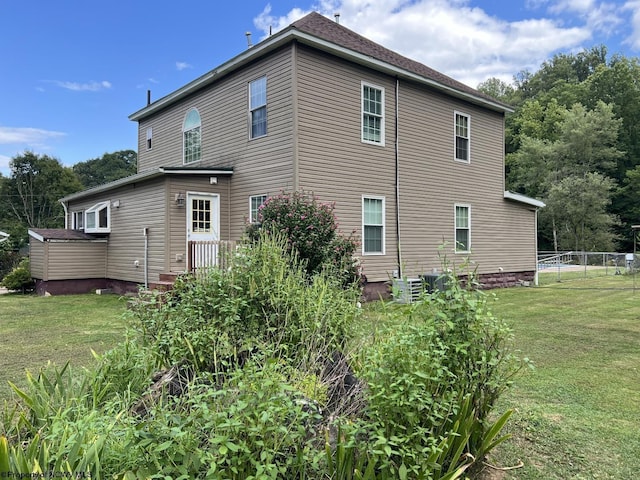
x=311 y=230
x=9 y=258
x=19 y=278
x=265 y=298
x=434 y=375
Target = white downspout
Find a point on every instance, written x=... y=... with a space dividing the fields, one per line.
x=145 y=232
x=66 y=215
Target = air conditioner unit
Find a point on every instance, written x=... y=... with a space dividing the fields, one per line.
x=433 y=282
x=407 y=290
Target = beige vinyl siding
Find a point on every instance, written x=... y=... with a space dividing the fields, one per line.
x=71 y=260
x=333 y=161
x=177 y=242
x=261 y=165
x=432 y=182
x=141 y=205
x=36 y=258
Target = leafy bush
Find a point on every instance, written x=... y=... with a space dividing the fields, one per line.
x=19 y=278
x=312 y=233
x=434 y=376
x=9 y=258
x=264 y=298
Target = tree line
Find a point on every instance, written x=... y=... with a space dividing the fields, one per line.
x=572 y=142
x=29 y=196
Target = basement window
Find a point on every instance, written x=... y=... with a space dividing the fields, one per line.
x=97 y=219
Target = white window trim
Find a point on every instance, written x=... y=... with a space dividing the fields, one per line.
x=184 y=158
x=362 y=112
x=149 y=143
x=96 y=210
x=384 y=226
x=251 y=219
x=455 y=137
x=74 y=219
x=252 y=108
x=455 y=227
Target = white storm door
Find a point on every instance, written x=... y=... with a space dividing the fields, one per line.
x=203 y=226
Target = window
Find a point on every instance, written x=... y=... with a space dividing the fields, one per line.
x=258 y=107
x=462 y=137
x=463 y=228
x=373 y=225
x=201 y=221
x=98 y=218
x=372 y=114
x=255 y=202
x=77 y=220
x=191 y=136
x=149 y=137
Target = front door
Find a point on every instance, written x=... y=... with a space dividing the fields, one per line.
x=203 y=227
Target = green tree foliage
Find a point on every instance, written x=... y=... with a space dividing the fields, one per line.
x=31 y=194
x=577 y=206
x=584 y=142
x=590 y=79
x=109 y=167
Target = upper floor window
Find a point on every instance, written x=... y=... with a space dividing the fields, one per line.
x=462 y=137
x=255 y=202
x=463 y=228
x=149 y=137
x=372 y=114
x=191 y=136
x=98 y=218
x=258 y=107
x=373 y=225
x=77 y=220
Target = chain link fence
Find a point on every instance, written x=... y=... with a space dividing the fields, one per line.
x=571 y=265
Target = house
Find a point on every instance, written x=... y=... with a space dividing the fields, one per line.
x=411 y=157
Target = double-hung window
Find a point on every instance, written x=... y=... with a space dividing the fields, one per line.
x=149 y=137
x=258 y=107
x=372 y=114
x=463 y=228
x=255 y=202
x=98 y=218
x=191 y=137
x=462 y=130
x=373 y=225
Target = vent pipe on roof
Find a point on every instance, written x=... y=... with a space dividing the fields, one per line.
x=337 y=17
x=249 y=44
x=148 y=97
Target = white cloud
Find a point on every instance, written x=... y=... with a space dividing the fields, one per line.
x=84 y=87
x=27 y=136
x=463 y=41
x=4 y=164
x=182 y=66
x=634 y=8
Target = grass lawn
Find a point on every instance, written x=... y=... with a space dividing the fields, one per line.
x=577 y=414
x=35 y=330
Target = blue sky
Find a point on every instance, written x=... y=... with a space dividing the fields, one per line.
x=71 y=71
